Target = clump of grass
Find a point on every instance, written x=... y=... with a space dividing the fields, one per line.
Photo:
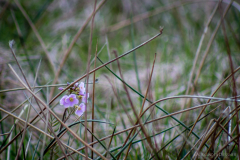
x=155 y=93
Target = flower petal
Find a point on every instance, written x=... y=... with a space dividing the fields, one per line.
x=83 y=106
x=71 y=101
x=79 y=111
x=62 y=100
x=81 y=87
x=60 y=88
x=84 y=99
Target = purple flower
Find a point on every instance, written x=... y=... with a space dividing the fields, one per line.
x=63 y=102
x=81 y=89
x=71 y=100
x=80 y=109
x=84 y=98
x=60 y=88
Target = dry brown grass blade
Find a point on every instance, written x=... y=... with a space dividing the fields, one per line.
x=208 y=47
x=6 y=116
x=209 y=131
x=204 y=57
x=160 y=32
x=119 y=99
x=189 y=142
x=28 y=115
x=189 y=85
x=110 y=142
x=133 y=108
x=229 y=118
x=156 y=11
x=21 y=70
x=93 y=97
x=181 y=111
x=13 y=126
x=36 y=33
x=215 y=137
x=186 y=155
x=46 y=106
x=24 y=130
x=226 y=145
x=234 y=87
x=65 y=130
x=200 y=139
x=121 y=103
x=172 y=114
x=133 y=127
x=106 y=64
x=39 y=130
x=68 y=51
x=87 y=77
x=212 y=132
x=3 y=110
x=145 y=15
x=144 y=100
x=201 y=65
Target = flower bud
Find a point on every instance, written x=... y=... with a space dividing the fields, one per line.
x=60 y=88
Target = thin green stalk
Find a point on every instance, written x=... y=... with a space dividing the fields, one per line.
x=101 y=66
x=149 y=100
x=64 y=129
x=164 y=131
x=36 y=147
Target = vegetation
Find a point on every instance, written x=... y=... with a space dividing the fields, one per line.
x=162 y=76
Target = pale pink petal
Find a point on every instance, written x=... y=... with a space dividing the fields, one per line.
x=71 y=100
x=81 y=88
x=80 y=110
x=63 y=101
x=84 y=99
x=60 y=88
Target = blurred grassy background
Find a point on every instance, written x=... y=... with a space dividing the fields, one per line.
x=120 y=26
